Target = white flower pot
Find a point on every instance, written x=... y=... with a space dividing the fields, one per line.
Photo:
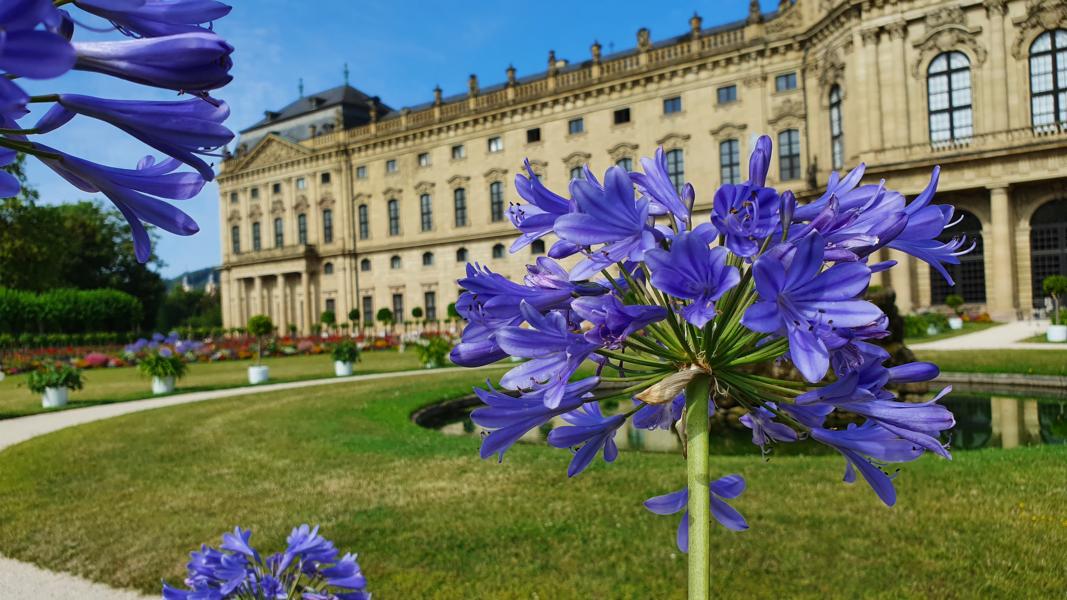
x=54 y=397
x=342 y=368
x=163 y=385
x=955 y=323
x=932 y=330
x=258 y=374
x=1056 y=333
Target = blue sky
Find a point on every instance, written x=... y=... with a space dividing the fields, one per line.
x=397 y=50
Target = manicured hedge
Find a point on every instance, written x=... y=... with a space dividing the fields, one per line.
x=68 y=311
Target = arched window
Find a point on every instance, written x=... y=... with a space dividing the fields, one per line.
x=1048 y=80
x=364 y=265
x=394 y=217
x=676 y=168
x=789 y=154
x=537 y=247
x=327 y=226
x=302 y=228
x=626 y=163
x=426 y=212
x=837 y=134
x=459 y=199
x=576 y=173
x=394 y=262
x=427 y=259
x=364 y=222
x=235 y=239
x=461 y=255
x=1048 y=245
x=730 y=161
x=279 y=233
x=327 y=269
x=969 y=275
x=256 y=244
x=948 y=91
x=496 y=201
x=498 y=251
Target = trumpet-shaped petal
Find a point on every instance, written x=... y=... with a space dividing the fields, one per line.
x=590 y=431
x=154 y=18
x=725 y=488
x=186 y=62
x=693 y=271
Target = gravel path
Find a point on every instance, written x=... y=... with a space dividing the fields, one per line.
x=23 y=581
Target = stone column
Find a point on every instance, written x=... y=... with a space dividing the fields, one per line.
x=283 y=311
x=894 y=73
x=999 y=247
x=900 y=280
x=998 y=81
x=257 y=295
x=869 y=75
x=305 y=285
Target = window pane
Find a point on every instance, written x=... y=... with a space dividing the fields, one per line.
x=676 y=169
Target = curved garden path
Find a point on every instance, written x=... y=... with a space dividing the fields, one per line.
x=24 y=581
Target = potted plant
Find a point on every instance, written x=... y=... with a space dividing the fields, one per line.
x=955 y=302
x=432 y=351
x=54 y=382
x=328 y=319
x=344 y=353
x=259 y=326
x=164 y=367
x=1056 y=287
x=353 y=317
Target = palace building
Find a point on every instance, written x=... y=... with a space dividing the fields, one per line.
x=339 y=201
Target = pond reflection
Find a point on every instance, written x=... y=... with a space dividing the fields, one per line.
x=982 y=421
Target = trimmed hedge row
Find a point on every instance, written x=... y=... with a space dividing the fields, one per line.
x=68 y=311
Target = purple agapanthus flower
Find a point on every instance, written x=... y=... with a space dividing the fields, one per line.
x=26 y=50
x=725 y=488
x=182 y=129
x=185 y=62
x=536 y=218
x=765 y=429
x=154 y=18
x=511 y=417
x=658 y=416
x=589 y=432
x=614 y=321
x=656 y=183
x=745 y=214
x=794 y=297
x=555 y=352
x=132 y=191
x=693 y=271
x=866 y=447
x=609 y=216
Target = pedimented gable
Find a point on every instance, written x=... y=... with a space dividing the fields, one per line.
x=271 y=150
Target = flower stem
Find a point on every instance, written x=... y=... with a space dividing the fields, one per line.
x=697 y=394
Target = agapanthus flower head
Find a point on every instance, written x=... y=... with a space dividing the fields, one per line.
x=27 y=48
x=674 y=310
x=307 y=570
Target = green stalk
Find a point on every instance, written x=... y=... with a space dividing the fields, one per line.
x=698 y=448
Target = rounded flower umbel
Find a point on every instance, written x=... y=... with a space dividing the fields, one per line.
x=678 y=307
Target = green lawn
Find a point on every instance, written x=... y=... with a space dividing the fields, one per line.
x=103 y=386
x=1027 y=362
x=949 y=333
x=124 y=500
x=1041 y=339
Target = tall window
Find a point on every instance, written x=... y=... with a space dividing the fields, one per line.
x=426 y=212
x=235 y=239
x=279 y=233
x=1048 y=79
x=498 y=251
x=368 y=309
x=948 y=90
x=327 y=226
x=730 y=161
x=302 y=228
x=1048 y=245
x=676 y=168
x=626 y=163
x=394 y=262
x=969 y=274
x=789 y=154
x=394 y=217
x=233 y=198
x=256 y=245
x=427 y=259
x=398 y=308
x=459 y=200
x=364 y=222
x=837 y=134
x=496 y=201
x=364 y=265
x=429 y=299
x=331 y=305
x=327 y=269
x=461 y=255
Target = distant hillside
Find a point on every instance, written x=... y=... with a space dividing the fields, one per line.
x=196 y=279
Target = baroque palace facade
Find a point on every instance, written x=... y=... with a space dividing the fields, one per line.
x=339 y=202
